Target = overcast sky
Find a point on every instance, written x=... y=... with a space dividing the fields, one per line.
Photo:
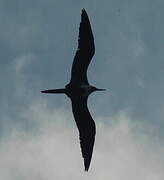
x=38 y=136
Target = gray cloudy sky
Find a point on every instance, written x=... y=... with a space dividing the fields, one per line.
x=38 y=136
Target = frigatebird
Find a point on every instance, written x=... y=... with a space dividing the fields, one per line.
x=79 y=89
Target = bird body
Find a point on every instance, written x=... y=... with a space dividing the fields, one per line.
x=79 y=89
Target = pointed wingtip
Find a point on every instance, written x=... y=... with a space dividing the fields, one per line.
x=86 y=169
x=84 y=15
x=83 y=12
x=86 y=165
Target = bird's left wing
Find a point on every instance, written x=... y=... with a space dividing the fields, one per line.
x=85 y=51
x=86 y=127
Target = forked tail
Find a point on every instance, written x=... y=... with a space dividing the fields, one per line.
x=55 y=91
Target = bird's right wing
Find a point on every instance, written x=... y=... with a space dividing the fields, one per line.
x=86 y=127
x=85 y=51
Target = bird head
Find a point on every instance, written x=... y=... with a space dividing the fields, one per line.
x=97 y=89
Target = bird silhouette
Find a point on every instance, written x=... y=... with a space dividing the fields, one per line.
x=79 y=89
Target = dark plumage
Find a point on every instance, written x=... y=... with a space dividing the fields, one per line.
x=84 y=53
x=79 y=89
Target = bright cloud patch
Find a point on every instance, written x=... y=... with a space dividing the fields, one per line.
x=122 y=150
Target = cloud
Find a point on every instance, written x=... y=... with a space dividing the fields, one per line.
x=51 y=151
x=38 y=136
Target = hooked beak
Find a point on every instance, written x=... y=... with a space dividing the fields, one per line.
x=100 y=89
